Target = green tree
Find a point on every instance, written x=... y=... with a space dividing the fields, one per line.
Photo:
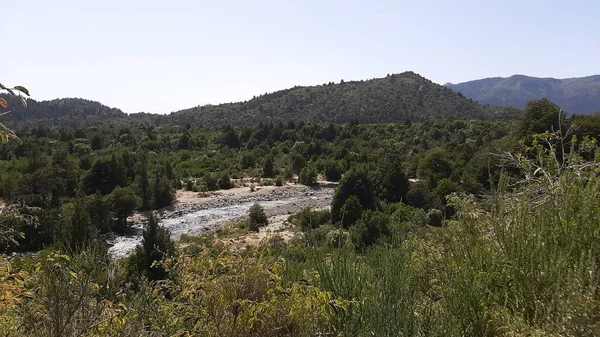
x=433 y=167
x=257 y=217
x=308 y=176
x=156 y=246
x=333 y=170
x=351 y=212
x=541 y=116
x=80 y=231
x=143 y=186
x=229 y=137
x=394 y=183
x=354 y=183
x=268 y=168
x=162 y=192
x=372 y=227
x=123 y=202
x=184 y=142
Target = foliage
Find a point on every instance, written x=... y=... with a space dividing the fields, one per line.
x=156 y=246
x=354 y=183
x=257 y=217
x=308 y=176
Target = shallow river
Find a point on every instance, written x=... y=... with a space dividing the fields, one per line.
x=181 y=222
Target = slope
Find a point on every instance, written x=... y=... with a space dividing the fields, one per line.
x=575 y=95
x=394 y=98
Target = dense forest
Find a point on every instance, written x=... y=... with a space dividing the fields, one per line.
x=473 y=224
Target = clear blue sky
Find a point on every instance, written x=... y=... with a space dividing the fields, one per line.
x=162 y=56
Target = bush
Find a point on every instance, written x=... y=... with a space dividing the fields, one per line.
x=224 y=182
x=278 y=181
x=435 y=217
x=333 y=170
x=308 y=219
x=257 y=217
x=351 y=212
x=308 y=176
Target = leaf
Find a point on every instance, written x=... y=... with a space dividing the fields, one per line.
x=23 y=100
x=22 y=89
x=10 y=91
x=3 y=103
x=2 y=86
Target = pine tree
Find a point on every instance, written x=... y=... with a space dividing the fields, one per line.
x=156 y=246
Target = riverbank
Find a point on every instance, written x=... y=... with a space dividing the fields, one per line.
x=203 y=214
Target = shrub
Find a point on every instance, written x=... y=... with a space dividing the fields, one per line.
x=257 y=217
x=308 y=176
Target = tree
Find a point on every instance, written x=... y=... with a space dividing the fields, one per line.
x=308 y=176
x=156 y=246
x=105 y=175
x=433 y=167
x=143 y=184
x=162 y=192
x=269 y=169
x=333 y=170
x=229 y=137
x=184 y=142
x=541 y=116
x=225 y=182
x=394 y=183
x=123 y=202
x=80 y=232
x=351 y=211
x=101 y=213
x=369 y=230
x=97 y=142
x=257 y=217
x=354 y=183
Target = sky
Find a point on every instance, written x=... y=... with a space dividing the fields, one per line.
x=163 y=56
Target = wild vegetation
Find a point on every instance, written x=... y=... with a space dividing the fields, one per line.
x=446 y=228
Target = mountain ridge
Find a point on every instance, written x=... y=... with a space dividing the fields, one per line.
x=577 y=95
x=395 y=98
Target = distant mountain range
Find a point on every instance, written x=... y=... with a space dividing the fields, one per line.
x=574 y=95
x=395 y=98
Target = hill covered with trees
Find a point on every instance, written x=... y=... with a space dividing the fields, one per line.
x=395 y=98
x=574 y=95
x=64 y=112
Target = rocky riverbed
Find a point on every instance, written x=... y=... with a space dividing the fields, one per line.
x=196 y=215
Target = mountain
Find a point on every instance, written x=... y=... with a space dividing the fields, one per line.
x=72 y=112
x=574 y=95
x=394 y=98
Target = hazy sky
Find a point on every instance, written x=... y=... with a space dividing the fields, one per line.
x=162 y=56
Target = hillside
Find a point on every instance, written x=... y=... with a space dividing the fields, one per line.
x=394 y=98
x=575 y=95
x=64 y=112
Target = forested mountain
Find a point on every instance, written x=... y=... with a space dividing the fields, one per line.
x=574 y=95
x=72 y=112
x=395 y=98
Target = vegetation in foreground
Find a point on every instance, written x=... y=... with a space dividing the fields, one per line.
x=517 y=254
